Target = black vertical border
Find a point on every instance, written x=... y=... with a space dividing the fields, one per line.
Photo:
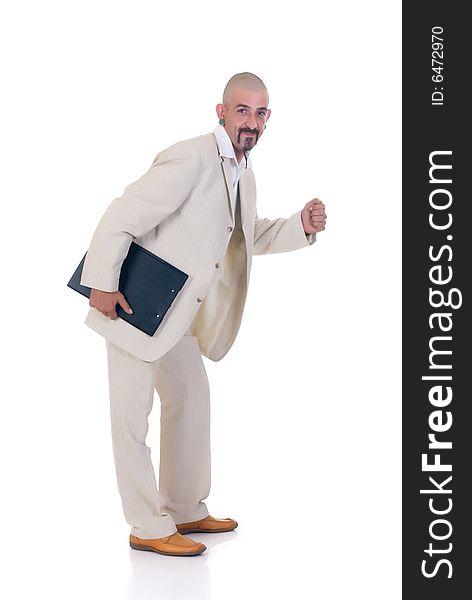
x=428 y=128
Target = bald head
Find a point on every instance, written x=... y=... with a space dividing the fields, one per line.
x=243 y=81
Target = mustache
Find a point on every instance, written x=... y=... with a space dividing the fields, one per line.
x=255 y=131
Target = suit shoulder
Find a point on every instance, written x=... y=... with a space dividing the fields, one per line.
x=195 y=146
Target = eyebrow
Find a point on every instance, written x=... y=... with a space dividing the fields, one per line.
x=246 y=106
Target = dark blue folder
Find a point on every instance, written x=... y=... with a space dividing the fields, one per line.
x=149 y=284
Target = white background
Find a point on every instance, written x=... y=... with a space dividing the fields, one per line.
x=306 y=406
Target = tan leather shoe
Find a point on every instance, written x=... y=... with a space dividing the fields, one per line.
x=207 y=525
x=172 y=545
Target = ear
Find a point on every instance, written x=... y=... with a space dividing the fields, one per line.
x=221 y=111
x=268 y=114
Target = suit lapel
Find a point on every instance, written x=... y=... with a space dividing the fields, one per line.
x=245 y=192
x=226 y=167
x=246 y=199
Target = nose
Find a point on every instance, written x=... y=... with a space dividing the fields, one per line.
x=251 y=122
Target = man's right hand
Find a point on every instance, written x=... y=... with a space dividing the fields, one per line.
x=106 y=303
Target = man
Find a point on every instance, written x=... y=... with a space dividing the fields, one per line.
x=195 y=208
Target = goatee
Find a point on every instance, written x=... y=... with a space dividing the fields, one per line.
x=248 y=141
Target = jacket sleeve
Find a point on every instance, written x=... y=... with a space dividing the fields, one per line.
x=280 y=235
x=142 y=207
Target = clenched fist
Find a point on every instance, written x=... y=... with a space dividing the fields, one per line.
x=314 y=216
x=106 y=303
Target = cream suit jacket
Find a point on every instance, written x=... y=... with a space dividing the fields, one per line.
x=182 y=211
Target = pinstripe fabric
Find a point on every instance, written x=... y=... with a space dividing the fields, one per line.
x=184 y=474
x=182 y=210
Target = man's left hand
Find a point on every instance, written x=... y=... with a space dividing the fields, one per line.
x=314 y=216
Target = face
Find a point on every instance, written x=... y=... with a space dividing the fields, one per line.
x=245 y=117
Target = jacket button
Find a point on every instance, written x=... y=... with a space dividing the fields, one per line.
x=217 y=266
x=199 y=299
x=229 y=229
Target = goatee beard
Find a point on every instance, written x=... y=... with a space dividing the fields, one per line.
x=248 y=145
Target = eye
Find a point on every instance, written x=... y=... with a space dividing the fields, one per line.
x=262 y=113
x=241 y=110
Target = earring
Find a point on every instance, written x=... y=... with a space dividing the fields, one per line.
x=221 y=121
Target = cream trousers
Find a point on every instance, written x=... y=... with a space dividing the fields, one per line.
x=180 y=379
